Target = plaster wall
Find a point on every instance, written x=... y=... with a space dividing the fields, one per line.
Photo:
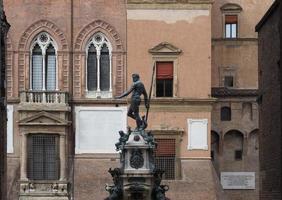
x=251 y=14
x=178 y=28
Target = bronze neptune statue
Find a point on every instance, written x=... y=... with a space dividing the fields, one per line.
x=137 y=89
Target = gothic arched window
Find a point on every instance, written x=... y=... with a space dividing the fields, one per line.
x=99 y=67
x=43 y=70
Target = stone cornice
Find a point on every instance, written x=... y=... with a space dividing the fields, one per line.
x=170 y=4
x=233 y=92
x=154 y=101
x=170 y=1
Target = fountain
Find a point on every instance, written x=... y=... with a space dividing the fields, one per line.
x=137 y=178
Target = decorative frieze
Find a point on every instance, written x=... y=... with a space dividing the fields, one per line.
x=49 y=190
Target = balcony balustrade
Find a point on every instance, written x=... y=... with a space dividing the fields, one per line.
x=43 y=97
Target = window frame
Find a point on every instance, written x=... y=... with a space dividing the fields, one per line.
x=57 y=156
x=228 y=71
x=228 y=81
x=175 y=63
x=238 y=155
x=237 y=26
x=231 y=9
x=98 y=45
x=177 y=136
x=230 y=112
x=43 y=46
x=164 y=80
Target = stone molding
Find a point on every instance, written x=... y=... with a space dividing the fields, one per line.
x=43 y=118
x=48 y=189
x=118 y=57
x=95 y=26
x=24 y=52
x=165 y=48
x=9 y=66
x=39 y=26
x=169 y=1
x=231 y=7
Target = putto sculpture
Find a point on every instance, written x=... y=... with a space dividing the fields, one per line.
x=137 y=178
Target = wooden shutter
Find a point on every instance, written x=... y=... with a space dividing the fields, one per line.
x=231 y=19
x=164 y=70
x=165 y=157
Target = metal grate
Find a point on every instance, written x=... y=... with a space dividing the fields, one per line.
x=43 y=157
x=165 y=157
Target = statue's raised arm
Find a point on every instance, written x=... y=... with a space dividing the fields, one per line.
x=137 y=89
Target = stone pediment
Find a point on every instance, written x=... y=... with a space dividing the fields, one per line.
x=165 y=48
x=231 y=7
x=44 y=118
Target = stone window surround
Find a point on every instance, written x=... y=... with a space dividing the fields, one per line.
x=175 y=61
x=231 y=9
x=43 y=48
x=98 y=93
x=172 y=134
x=62 y=153
x=228 y=71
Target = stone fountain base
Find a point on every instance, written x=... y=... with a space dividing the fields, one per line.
x=137 y=178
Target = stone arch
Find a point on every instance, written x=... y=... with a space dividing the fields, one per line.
x=96 y=26
x=39 y=26
x=118 y=57
x=254 y=131
x=215 y=142
x=215 y=138
x=215 y=149
x=233 y=143
x=24 y=49
x=234 y=130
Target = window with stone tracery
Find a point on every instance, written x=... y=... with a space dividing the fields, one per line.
x=43 y=65
x=99 y=67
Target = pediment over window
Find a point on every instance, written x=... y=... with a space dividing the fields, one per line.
x=231 y=7
x=165 y=48
x=43 y=118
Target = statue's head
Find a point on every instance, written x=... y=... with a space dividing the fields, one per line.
x=135 y=77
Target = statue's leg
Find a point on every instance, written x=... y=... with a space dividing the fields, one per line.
x=136 y=114
x=130 y=112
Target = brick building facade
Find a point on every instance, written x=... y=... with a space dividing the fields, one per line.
x=270 y=103
x=68 y=59
x=235 y=117
x=4 y=27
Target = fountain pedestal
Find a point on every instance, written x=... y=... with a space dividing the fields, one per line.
x=137 y=178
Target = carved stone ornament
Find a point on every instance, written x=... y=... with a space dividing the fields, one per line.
x=136 y=159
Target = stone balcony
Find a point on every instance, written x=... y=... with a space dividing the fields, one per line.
x=43 y=97
x=43 y=101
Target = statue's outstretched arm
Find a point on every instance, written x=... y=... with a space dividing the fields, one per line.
x=125 y=93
